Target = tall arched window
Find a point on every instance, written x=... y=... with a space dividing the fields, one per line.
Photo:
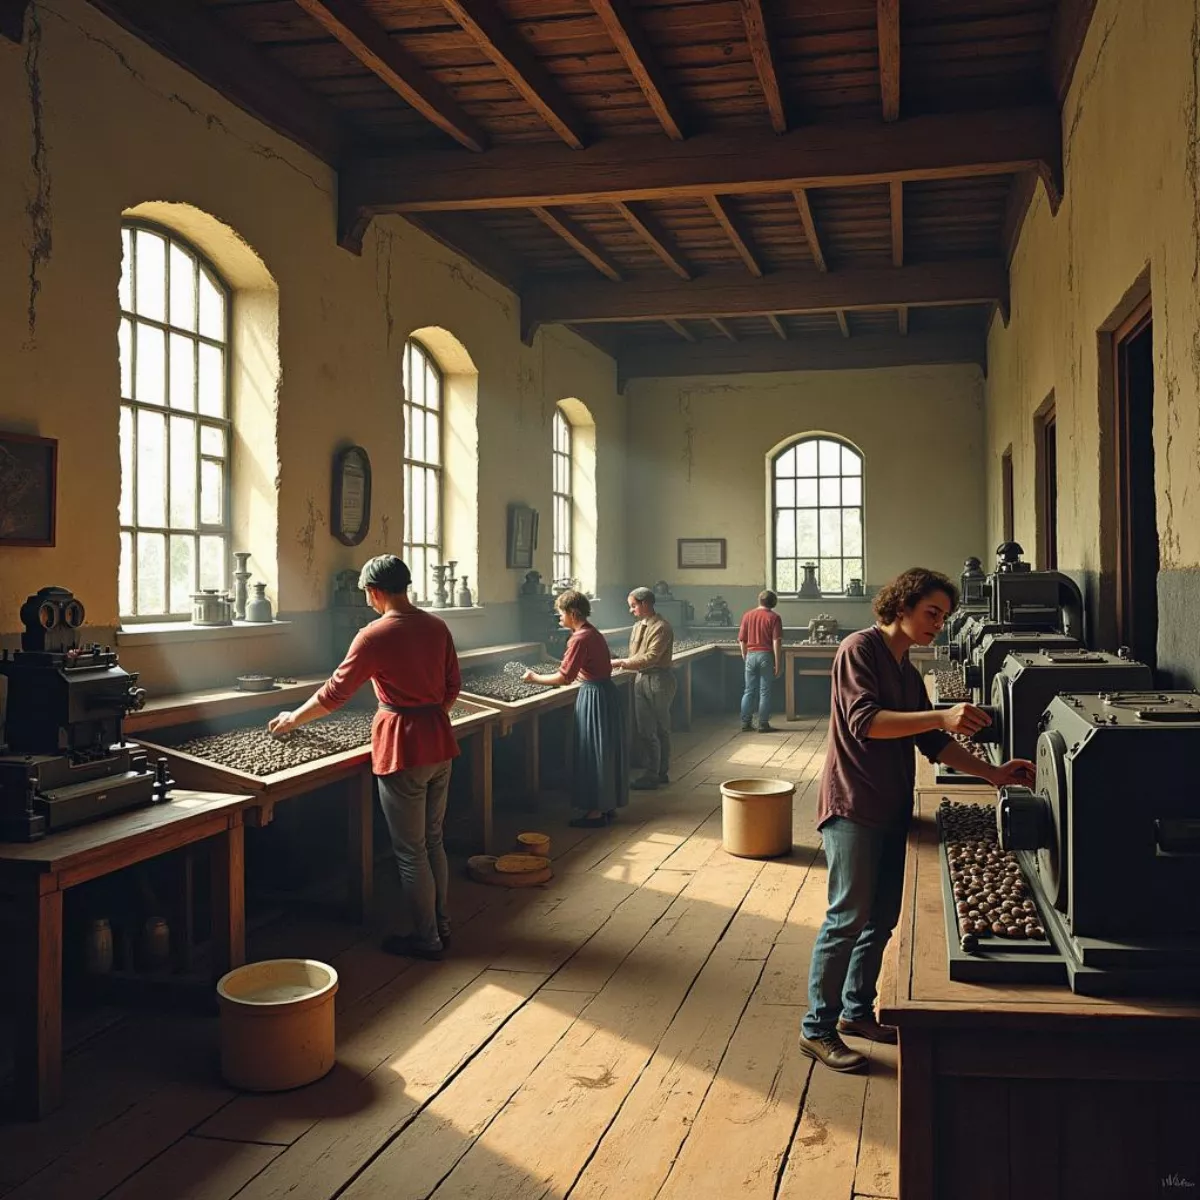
x=174 y=426
x=817 y=505
x=423 y=409
x=564 y=504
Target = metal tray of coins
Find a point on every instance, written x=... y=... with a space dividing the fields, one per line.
x=501 y=687
x=995 y=931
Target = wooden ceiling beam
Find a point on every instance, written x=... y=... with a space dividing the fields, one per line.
x=887 y=24
x=724 y=329
x=734 y=231
x=12 y=19
x=681 y=329
x=655 y=237
x=810 y=229
x=1067 y=34
x=381 y=54
x=896 y=198
x=746 y=162
x=750 y=355
x=629 y=38
x=484 y=22
x=186 y=32
x=758 y=37
x=777 y=325
x=580 y=241
x=730 y=293
x=1020 y=196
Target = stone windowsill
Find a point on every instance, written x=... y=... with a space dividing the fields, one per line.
x=154 y=633
x=476 y=610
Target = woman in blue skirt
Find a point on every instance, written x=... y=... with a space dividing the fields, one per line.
x=601 y=773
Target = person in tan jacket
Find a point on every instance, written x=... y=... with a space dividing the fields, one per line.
x=650 y=648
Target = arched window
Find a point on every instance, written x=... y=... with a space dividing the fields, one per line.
x=175 y=432
x=423 y=409
x=817 y=504
x=564 y=504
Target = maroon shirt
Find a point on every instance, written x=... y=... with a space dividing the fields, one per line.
x=870 y=781
x=587 y=656
x=759 y=629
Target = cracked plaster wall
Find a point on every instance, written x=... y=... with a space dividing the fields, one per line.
x=93 y=122
x=1132 y=203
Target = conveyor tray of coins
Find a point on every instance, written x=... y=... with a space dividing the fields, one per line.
x=949 y=683
x=995 y=931
x=503 y=689
x=945 y=776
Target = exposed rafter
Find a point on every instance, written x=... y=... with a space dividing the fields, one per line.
x=715 y=357
x=12 y=19
x=843 y=322
x=724 y=329
x=629 y=38
x=810 y=229
x=186 y=33
x=580 y=241
x=656 y=238
x=777 y=325
x=680 y=328
x=887 y=23
x=735 y=233
x=896 y=198
x=732 y=294
x=746 y=162
x=370 y=43
x=485 y=23
x=759 y=39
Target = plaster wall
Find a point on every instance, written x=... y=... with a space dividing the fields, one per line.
x=1131 y=209
x=93 y=123
x=697 y=468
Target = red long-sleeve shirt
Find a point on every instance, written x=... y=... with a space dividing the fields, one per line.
x=410 y=659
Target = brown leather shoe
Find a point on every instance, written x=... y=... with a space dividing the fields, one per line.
x=833 y=1052
x=869 y=1029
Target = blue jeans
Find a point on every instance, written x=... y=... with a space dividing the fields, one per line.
x=866 y=878
x=760 y=677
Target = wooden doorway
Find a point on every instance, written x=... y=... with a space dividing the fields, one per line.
x=1045 y=430
x=1137 y=556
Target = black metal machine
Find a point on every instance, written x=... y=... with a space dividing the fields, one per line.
x=65 y=759
x=1109 y=838
x=996 y=646
x=972 y=597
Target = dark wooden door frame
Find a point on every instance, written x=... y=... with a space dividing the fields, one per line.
x=1007 y=497
x=1046 y=444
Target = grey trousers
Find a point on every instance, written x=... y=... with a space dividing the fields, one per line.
x=653 y=692
x=414 y=806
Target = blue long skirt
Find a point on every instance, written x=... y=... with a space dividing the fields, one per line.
x=601 y=755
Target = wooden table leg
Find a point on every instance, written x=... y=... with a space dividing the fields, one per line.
x=360 y=845
x=38 y=1049
x=687 y=696
x=227 y=862
x=789 y=684
x=183 y=940
x=915 y=1139
x=481 y=788
x=533 y=756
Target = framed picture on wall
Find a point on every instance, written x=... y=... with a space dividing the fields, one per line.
x=522 y=536
x=701 y=553
x=28 y=489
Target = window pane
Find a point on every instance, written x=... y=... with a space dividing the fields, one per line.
x=212 y=309
x=125 y=576
x=212 y=482
x=852 y=491
x=806 y=493
x=416 y=385
x=831 y=531
x=212 y=441
x=150 y=364
x=183 y=373
x=851 y=462
x=408 y=510
x=852 y=568
x=785 y=576
x=785 y=493
x=151 y=475
x=183 y=573
x=125 y=353
x=212 y=381
x=433 y=508
x=406 y=369
x=785 y=534
x=852 y=531
x=125 y=287
x=183 y=289
x=151 y=574
x=125 y=510
x=806 y=458
x=183 y=475
x=151 y=295
x=420 y=528
x=421 y=573
x=785 y=464
x=831 y=493
x=212 y=563
x=433 y=388
x=806 y=533
x=831 y=458
x=433 y=448
x=416 y=448
x=830 y=575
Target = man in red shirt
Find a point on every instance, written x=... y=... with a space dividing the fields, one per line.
x=761 y=640
x=409 y=657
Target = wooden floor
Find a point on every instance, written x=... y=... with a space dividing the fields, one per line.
x=627 y=1031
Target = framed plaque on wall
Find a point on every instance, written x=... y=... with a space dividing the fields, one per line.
x=701 y=553
x=350 y=511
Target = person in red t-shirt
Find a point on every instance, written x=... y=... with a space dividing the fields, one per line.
x=409 y=657
x=761 y=640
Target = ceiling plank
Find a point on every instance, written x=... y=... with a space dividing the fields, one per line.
x=381 y=54
x=759 y=39
x=724 y=329
x=731 y=294
x=777 y=325
x=810 y=229
x=896 y=194
x=887 y=23
x=746 y=162
x=655 y=237
x=12 y=19
x=902 y=319
x=843 y=322
x=629 y=38
x=579 y=240
x=1067 y=34
x=870 y=350
x=734 y=231
x=485 y=23
x=186 y=33
x=681 y=329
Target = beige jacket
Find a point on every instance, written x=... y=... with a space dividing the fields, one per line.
x=650 y=644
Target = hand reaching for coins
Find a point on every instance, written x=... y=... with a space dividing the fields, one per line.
x=965 y=719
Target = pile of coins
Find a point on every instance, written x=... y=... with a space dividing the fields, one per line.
x=951 y=682
x=459 y=711
x=991 y=896
x=980 y=752
x=506 y=684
